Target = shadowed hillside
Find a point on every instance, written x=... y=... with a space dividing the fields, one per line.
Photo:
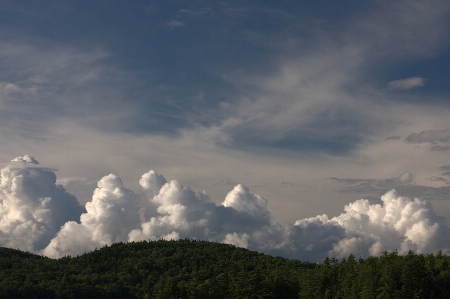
x=198 y=269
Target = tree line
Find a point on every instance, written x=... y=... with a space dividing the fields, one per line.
x=200 y=269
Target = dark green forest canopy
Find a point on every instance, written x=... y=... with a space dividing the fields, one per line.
x=199 y=269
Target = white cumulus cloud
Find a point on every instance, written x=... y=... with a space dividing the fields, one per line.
x=39 y=216
x=25 y=159
x=243 y=219
x=32 y=206
x=399 y=223
x=111 y=214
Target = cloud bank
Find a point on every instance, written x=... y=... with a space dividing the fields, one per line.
x=38 y=215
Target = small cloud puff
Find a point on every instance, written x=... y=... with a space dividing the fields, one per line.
x=406 y=177
x=405 y=84
x=174 y=23
x=25 y=159
x=234 y=239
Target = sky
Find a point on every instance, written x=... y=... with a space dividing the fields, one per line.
x=279 y=127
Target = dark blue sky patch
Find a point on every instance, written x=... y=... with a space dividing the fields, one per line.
x=158 y=67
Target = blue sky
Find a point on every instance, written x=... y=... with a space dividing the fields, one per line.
x=312 y=104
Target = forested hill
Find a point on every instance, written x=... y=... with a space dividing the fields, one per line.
x=198 y=269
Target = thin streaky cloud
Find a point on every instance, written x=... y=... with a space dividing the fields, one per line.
x=429 y=136
x=175 y=23
x=405 y=84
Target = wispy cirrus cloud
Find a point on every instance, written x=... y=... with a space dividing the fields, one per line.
x=429 y=136
x=404 y=184
x=405 y=84
x=444 y=176
x=436 y=138
x=308 y=103
x=445 y=168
